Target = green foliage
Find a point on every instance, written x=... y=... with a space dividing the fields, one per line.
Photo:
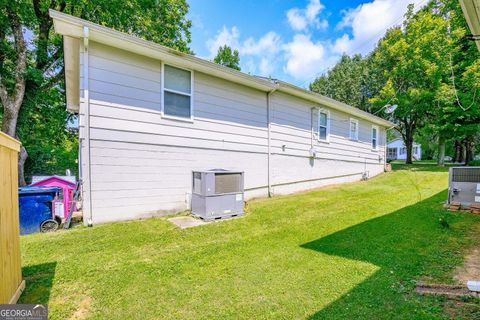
x=43 y=121
x=443 y=222
x=353 y=80
x=427 y=68
x=342 y=252
x=228 y=58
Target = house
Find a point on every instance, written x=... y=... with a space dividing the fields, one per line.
x=396 y=150
x=66 y=184
x=149 y=115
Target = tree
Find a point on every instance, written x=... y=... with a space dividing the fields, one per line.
x=228 y=58
x=415 y=60
x=456 y=117
x=353 y=80
x=31 y=55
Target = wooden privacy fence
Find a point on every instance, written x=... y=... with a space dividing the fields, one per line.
x=11 y=283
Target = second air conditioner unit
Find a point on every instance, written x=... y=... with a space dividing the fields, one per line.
x=464 y=185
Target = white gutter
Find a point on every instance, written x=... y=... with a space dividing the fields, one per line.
x=86 y=101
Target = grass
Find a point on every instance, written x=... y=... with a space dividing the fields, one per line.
x=342 y=252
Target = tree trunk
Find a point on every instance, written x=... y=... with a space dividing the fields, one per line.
x=469 y=152
x=464 y=151
x=457 y=151
x=441 y=152
x=12 y=101
x=408 y=140
x=22 y=157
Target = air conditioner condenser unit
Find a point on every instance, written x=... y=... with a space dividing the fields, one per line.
x=464 y=185
x=217 y=194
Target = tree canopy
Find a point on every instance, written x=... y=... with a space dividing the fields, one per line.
x=228 y=57
x=427 y=67
x=32 y=105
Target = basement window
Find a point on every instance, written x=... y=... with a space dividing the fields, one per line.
x=177 y=92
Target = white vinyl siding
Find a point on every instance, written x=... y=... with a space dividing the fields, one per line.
x=142 y=161
x=353 y=129
x=323 y=125
x=177 y=92
x=374 y=138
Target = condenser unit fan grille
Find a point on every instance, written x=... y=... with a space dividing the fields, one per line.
x=228 y=183
x=466 y=175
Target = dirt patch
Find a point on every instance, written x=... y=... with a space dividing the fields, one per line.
x=83 y=309
x=470 y=270
x=444 y=290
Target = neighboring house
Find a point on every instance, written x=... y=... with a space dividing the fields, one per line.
x=149 y=115
x=396 y=150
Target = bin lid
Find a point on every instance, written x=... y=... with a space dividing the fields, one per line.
x=37 y=190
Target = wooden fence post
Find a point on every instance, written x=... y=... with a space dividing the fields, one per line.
x=11 y=284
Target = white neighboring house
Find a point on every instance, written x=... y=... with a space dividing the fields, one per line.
x=149 y=115
x=396 y=150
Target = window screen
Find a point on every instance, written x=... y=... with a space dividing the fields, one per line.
x=228 y=182
x=323 y=126
x=177 y=92
x=374 y=138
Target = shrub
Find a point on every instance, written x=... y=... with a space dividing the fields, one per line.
x=443 y=222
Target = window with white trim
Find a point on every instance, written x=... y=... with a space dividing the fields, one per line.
x=353 y=129
x=374 y=137
x=403 y=150
x=323 y=125
x=177 y=92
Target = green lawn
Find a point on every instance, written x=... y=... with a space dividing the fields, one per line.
x=352 y=251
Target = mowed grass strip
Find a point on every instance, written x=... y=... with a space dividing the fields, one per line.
x=346 y=251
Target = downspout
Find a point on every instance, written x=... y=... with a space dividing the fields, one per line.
x=385 y=150
x=269 y=144
x=312 y=133
x=86 y=97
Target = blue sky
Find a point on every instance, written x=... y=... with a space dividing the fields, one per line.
x=292 y=40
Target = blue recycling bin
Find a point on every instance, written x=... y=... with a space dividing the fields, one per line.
x=35 y=206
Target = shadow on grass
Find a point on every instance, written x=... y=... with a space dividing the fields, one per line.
x=405 y=244
x=38 y=283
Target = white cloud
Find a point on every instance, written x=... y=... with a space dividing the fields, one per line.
x=255 y=55
x=269 y=43
x=300 y=19
x=368 y=22
x=305 y=58
x=225 y=36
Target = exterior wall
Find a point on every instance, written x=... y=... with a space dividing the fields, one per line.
x=141 y=163
x=339 y=160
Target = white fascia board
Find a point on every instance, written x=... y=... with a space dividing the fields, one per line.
x=471 y=11
x=68 y=25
